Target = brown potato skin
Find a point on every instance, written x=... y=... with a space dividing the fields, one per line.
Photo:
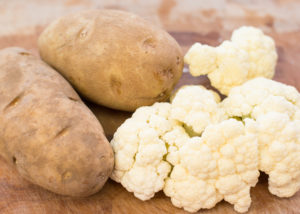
x=113 y=58
x=46 y=131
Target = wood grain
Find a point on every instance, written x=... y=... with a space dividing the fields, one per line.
x=189 y=22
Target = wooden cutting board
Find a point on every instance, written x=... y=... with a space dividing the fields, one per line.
x=189 y=23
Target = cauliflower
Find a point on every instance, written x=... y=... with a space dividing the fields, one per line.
x=196 y=107
x=223 y=163
x=139 y=151
x=154 y=150
x=200 y=151
x=276 y=109
x=247 y=55
x=260 y=48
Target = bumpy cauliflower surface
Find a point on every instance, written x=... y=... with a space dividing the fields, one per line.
x=260 y=48
x=276 y=109
x=196 y=107
x=222 y=164
x=247 y=55
x=154 y=150
x=139 y=151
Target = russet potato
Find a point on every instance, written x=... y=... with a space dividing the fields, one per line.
x=113 y=58
x=46 y=131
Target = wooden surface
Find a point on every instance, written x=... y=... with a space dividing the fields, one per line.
x=188 y=21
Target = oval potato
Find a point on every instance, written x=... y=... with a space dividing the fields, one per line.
x=113 y=58
x=46 y=131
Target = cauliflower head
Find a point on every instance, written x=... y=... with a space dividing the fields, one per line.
x=247 y=55
x=276 y=109
x=155 y=150
x=221 y=164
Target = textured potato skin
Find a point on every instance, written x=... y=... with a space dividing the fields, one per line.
x=46 y=131
x=113 y=58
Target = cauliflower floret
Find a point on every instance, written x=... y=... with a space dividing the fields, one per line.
x=202 y=59
x=189 y=192
x=259 y=96
x=276 y=109
x=223 y=163
x=261 y=50
x=196 y=107
x=226 y=65
x=279 y=145
x=232 y=67
x=139 y=151
x=249 y=54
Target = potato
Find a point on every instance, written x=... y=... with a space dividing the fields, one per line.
x=46 y=131
x=113 y=58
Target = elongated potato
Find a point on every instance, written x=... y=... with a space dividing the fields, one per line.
x=113 y=58
x=46 y=131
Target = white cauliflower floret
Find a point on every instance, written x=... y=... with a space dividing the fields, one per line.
x=190 y=192
x=223 y=163
x=232 y=67
x=259 y=96
x=249 y=54
x=279 y=145
x=275 y=107
x=196 y=107
x=260 y=48
x=202 y=59
x=139 y=151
